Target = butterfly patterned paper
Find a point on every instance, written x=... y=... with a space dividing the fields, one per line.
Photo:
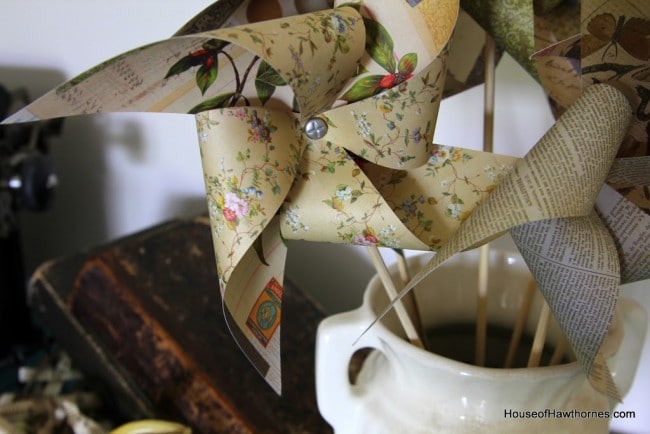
x=611 y=45
x=608 y=32
x=615 y=48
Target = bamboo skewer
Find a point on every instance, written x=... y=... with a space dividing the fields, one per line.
x=402 y=266
x=407 y=323
x=560 y=351
x=409 y=300
x=540 y=336
x=520 y=322
x=489 y=54
x=481 y=309
x=540 y=333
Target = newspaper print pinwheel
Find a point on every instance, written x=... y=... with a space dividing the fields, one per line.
x=320 y=126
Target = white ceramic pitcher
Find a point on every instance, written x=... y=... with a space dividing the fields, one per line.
x=402 y=388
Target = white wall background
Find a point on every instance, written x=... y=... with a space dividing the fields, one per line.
x=120 y=173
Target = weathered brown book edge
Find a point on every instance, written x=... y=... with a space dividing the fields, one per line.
x=49 y=288
x=102 y=268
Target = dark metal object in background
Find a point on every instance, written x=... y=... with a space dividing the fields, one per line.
x=27 y=181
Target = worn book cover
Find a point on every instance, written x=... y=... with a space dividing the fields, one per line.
x=144 y=313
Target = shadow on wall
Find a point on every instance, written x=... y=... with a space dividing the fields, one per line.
x=77 y=217
x=334 y=274
x=184 y=206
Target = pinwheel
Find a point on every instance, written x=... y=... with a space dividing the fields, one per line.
x=319 y=127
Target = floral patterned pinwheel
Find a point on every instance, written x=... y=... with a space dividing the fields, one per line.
x=371 y=91
x=320 y=126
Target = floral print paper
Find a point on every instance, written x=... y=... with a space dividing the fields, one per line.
x=374 y=74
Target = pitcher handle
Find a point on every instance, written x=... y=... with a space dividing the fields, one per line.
x=335 y=345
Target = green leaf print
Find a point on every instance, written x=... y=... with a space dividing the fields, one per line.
x=364 y=88
x=379 y=45
x=407 y=63
x=218 y=101
x=266 y=81
x=205 y=76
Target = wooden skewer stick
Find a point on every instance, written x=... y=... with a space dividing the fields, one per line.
x=560 y=351
x=489 y=55
x=520 y=322
x=481 y=308
x=402 y=266
x=409 y=300
x=405 y=320
x=540 y=336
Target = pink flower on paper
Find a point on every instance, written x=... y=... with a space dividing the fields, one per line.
x=229 y=215
x=234 y=205
x=360 y=240
x=367 y=238
x=371 y=238
x=240 y=114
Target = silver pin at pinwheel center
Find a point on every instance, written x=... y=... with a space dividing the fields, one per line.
x=315 y=128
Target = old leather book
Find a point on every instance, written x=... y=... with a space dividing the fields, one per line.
x=144 y=313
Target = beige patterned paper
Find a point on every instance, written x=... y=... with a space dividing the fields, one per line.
x=373 y=74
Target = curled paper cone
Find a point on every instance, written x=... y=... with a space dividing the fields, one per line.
x=535 y=194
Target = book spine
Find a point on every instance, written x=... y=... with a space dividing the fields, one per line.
x=102 y=302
